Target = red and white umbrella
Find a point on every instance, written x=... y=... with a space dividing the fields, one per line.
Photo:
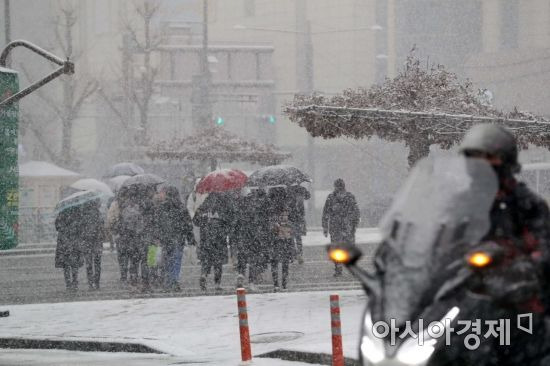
x=222 y=180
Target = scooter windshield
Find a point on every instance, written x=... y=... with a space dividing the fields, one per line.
x=442 y=209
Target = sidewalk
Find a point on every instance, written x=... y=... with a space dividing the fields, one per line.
x=193 y=330
x=314 y=237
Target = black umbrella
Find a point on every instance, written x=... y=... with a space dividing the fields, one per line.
x=143 y=179
x=130 y=169
x=276 y=175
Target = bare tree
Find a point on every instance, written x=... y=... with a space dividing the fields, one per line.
x=141 y=41
x=75 y=91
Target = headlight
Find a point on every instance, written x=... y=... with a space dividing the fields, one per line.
x=411 y=353
x=372 y=348
x=479 y=259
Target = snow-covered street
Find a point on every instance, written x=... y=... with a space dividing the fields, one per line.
x=189 y=330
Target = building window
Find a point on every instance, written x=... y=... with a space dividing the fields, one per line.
x=509 y=10
x=249 y=8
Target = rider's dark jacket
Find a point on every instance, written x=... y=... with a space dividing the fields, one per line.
x=519 y=223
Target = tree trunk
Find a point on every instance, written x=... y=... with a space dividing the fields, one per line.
x=419 y=147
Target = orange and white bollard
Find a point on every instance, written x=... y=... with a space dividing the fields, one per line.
x=246 y=352
x=336 y=326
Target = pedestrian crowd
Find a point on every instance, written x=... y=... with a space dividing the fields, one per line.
x=257 y=228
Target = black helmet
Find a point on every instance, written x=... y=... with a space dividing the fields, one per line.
x=493 y=140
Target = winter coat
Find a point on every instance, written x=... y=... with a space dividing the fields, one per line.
x=68 y=251
x=519 y=224
x=173 y=226
x=214 y=218
x=341 y=216
x=111 y=224
x=297 y=195
x=91 y=228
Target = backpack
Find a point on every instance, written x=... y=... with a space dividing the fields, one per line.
x=340 y=206
x=131 y=219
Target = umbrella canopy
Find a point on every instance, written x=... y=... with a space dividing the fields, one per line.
x=90 y=184
x=143 y=179
x=77 y=199
x=116 y=182
x=130 y=169
x=221 y=181
x=276 y=175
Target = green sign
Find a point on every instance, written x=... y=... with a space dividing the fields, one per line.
x=9 y=176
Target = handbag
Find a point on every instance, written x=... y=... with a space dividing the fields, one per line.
x=154 y=255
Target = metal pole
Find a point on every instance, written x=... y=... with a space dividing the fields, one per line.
x=206 y=108
x=7 y=26
x=305 y=78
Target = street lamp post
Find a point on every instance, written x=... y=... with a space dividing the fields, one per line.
x=201 y=104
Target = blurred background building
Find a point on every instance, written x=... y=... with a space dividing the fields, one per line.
x=259 y=54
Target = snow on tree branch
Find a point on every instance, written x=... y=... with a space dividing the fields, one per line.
x=430 y=105
x=217 y=144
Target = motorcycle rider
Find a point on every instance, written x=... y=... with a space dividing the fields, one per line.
x=519 y=224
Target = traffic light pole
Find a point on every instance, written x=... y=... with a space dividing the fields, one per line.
x=305 y=80
x=67 y=67
x=9 y=120
x=201 y=104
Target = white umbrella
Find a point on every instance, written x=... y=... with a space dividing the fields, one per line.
x=77 y=199
x=124 y=169
x=90 y=184
x=116 y=182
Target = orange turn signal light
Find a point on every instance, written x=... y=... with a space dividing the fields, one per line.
x=479 y=259
x=339 y=255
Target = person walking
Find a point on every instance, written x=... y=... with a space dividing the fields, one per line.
x=243 y=238
x=214 y=218
x=112 y=226
x=136 y=229
x=67 y=252
x=340 y=218
x=298 y=218
x=173 y=229
x=91 y=235
x=281 y=235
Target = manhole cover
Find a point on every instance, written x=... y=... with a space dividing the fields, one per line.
x=274 y=337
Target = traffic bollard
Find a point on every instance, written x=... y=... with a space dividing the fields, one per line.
x=246 y=352
x=336 y=326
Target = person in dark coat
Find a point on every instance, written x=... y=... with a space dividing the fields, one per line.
x=137 y=231
x=298 y=218
x=67 y=252
x=261 y=233
x=340 y=217
x=91 y=236
x=173 y=229
x=280 y=224
x=244 y=238
x=214 y=218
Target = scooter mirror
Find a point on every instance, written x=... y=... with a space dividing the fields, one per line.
x=343 y=253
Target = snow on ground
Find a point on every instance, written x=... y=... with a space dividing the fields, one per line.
x=193 y=329
x=362 y=236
